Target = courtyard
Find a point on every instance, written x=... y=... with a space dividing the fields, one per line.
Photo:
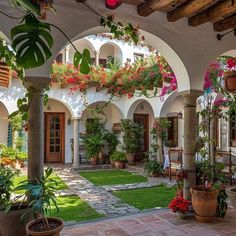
x=117 y=117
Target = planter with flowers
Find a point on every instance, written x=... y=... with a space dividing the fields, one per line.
x=180 y=206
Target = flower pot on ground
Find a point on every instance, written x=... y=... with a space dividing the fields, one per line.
x=93 y=161
x=112 y=163
x=7 y=227
x=231 y=192
x=204 y=201
x=130 y=158
x=180 y=206
x=119 y=158
x=230 y=81
x=10 y=212
x=41 y=193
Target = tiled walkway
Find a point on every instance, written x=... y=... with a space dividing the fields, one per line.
x=155 y=223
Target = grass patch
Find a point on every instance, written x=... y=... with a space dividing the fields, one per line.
x=60 y=184
x=147 y=198
x=112 y=177
x=73 y=208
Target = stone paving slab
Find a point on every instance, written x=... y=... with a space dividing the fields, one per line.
x=154 y=223
x=98 y=198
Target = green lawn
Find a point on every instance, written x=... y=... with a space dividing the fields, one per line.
x=60 y=184
x=111 y=177
x=146 y=198
x=73 y=208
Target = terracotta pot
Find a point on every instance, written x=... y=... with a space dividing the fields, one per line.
x=130 y=158
x=52 y=232
x=112 y=163
x=11 y=224
x=230 y=81
x=231 y=192
x=204 y=203
x=93 y=161
x=119 y=164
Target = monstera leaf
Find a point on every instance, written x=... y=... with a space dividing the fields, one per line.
x=26 y=6
x=83 y=60
x=32 y=42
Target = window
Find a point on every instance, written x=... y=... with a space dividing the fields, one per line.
x=138 y=57
x=172 y=137
x=59 y=58
x=233 y=130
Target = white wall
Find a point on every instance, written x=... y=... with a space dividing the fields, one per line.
x=3 y=124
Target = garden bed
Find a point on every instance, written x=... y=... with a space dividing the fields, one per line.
x=112 y=177
x=146 y=198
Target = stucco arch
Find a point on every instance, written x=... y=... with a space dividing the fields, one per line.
x=3 y=123
x=63 y=103
x=135 y=104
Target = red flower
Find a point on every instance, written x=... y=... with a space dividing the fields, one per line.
x=179 y=204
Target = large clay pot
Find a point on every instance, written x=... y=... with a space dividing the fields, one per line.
x=204 y=203
x=231 y=192
x=93 y=161
x=130 y=158
x=230 y=81
x=38 y=223
x=11 y=224
x=119 y=164
x=112 y=163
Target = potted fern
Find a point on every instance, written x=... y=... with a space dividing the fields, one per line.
x=119 y=158
x=41 y=195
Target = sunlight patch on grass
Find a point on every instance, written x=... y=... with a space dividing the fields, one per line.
x=112 y=177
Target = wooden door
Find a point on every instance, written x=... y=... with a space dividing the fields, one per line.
x=54 y=137
x=143 y=120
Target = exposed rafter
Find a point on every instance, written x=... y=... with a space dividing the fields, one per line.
x=228 y=23
x=187 y=9
x=151 y=6
x=222 y=9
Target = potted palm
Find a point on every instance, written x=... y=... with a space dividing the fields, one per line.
x=131 y=136
x=119 y=158
x=10 y=211
x=41 y=195
x=93 y=147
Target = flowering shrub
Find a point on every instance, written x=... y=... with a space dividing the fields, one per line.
x=179 y=204
x=140 y=78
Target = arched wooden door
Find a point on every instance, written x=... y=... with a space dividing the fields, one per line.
x=54 y=137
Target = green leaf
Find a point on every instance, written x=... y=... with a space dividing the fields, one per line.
x=85 y=63
x=77 y=58
x=32 y=42
x=26 y=6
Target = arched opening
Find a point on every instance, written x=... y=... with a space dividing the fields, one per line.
x=3 y=124
x=110 y=52
x=58 y=132
x=142 y=113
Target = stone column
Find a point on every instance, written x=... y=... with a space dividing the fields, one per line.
x=160 y=156
x=36 y=86
x=76 y=122
x=190 y=131
x=67 y=54
x=96 y=58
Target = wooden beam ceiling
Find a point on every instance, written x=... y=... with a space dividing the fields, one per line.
x=222 y=13
x=228 y=23
x=219 y=10
x=151 y=6
x=188 y=9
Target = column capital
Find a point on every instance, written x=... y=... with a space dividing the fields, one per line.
x=36 y=82
x=191 y=93
x=76 y=119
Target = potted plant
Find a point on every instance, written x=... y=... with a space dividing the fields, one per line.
x=230 y=74
x=10 y=211
x=153 y=169
x=93 y=146
x=41 y=195
x=119 y=158
x=131 y=135
x=180 y=206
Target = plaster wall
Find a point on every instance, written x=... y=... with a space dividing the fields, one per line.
x=3 y=124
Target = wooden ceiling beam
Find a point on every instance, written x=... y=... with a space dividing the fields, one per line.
x=150 y=6
x=228 y=23
x=217 y=11
x=187 y=9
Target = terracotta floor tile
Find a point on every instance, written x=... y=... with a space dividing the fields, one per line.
x=148 y=218
x=115 y=232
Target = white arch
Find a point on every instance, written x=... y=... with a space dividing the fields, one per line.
x=134 y=105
